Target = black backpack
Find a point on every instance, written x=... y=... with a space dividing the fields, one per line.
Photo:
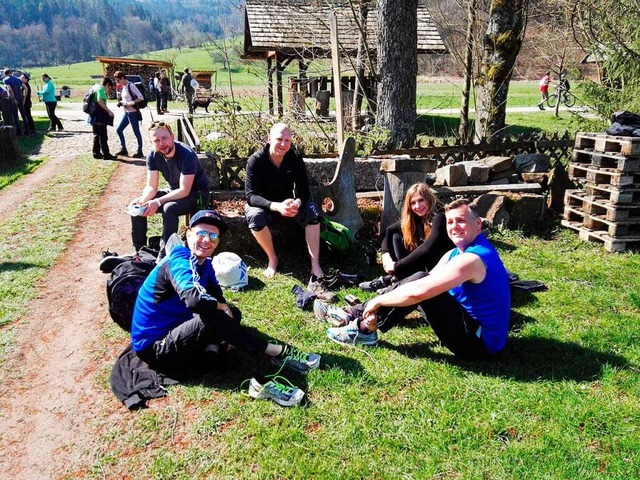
x=122 y=290
x=89 y=102
x=140 y=87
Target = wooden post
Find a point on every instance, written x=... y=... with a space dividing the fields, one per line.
x=279 y=69
x=337 y=84
x=9 y=151
x=399 y=175
x=270 y=84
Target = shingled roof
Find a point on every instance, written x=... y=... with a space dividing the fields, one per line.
x=300 y=28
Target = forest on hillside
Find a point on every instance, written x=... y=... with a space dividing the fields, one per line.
x=55 y=32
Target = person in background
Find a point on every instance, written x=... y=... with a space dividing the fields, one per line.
x=15 y=89
x=156 y=90
x=48 y=95
x=26 y=92
x=416 y=242
x=189 y=91
x=165 y=90
x=129 y=96
x=544 y=89
x=102 y=117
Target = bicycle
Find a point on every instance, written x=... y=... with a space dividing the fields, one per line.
x=566 y=97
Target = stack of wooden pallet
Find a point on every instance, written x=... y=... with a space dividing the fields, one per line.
x=607 y=209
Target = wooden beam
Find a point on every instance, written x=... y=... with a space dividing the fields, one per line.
x=279 y=86
x=335 y=60
x=482 y=189
x=270 y=84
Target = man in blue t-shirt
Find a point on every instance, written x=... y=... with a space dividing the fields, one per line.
x=465 y=297
x=185 y=175
x=15 y=90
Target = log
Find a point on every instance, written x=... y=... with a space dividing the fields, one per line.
x=9 y=151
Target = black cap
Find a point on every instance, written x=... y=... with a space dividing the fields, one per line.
x=210 y=217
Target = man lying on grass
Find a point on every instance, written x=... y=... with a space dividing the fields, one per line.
x=465 y=297
x=181 y=315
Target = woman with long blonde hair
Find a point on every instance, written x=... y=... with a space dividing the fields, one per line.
x=416 y=242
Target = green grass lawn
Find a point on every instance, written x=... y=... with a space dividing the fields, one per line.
x=562 y=402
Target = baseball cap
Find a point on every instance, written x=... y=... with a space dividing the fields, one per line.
x=210 y=217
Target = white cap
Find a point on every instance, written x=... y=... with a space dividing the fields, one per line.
x=231 y=271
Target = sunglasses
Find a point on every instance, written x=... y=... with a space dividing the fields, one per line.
x=213 y=237
x=160 y=124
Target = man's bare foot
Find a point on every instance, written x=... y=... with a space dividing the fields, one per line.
x=270 y=271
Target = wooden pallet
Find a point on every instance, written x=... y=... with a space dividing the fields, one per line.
x=601 y=208
x=616 y=245
x=600 y=176
x=601 y=142
x=594 y=222
x=606 y=160
x=615 y=195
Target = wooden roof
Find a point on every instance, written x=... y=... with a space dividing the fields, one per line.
x=135 y=61
x=300 y=28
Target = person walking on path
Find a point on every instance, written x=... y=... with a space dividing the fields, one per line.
x=48 y=95
x=129 y=96
x=189 y=91
x=544 y=89
x=101 y=118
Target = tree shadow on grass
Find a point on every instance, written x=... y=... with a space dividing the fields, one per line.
x=529 y=359
x=17 y=266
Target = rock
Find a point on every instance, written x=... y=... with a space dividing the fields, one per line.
x=477 y=172
x=541 y=178
x=498 y=164
x=492 y=206
x=451 y=175
x=531 y=162
x=559 y=182
x=526 y=210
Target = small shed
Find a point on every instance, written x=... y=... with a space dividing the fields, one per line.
x=281 y=31
x=134 y=66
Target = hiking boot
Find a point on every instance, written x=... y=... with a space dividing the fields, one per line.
x=138 y=155
x=335 y=316
x=318 y=287
x=351 y=335
x=284 y=395
x=377 y=283
x=122 y=153
x=296 y=359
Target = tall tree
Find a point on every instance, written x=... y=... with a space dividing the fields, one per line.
x=501 y=44
x=398 y=68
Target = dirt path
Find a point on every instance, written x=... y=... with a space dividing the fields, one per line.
x=50 y=398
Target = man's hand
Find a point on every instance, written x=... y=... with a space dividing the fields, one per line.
x=288 y=207
x=370 y=316
x=152 y=207
x=388 y=264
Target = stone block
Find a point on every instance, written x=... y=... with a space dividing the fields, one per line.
x=493 y=207
x=477 y=172
x=498 y=164
x=541 y=178
x=526 y=210
x=367 y=173
x=451 y=175
x=531 y=162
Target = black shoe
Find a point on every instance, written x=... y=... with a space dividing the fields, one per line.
x=138 y=155
x=110 y=157
x=60 y=129
x=98 y=156
x=377 y=283
x=122 y=153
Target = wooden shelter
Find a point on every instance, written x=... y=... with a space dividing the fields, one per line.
x=281 y=31
x=133 y=66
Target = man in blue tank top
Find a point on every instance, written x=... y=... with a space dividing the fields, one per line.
x=465 y=296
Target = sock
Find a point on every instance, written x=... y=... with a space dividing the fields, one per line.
x=304 y=298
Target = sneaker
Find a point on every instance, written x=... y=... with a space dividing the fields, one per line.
x=330 y=314
x=318 y=288
x=122 y=153
x=296 y=359
x=351 y=335
x=377 y=283
x=284 y=395
x=138 y=155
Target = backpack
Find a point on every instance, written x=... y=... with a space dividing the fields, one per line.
x=335 y=235
x=122 y=290
x=89 y=102
x=140 y=87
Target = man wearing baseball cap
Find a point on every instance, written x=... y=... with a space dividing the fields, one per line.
x=181 y=314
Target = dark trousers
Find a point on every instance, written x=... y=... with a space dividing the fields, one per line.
x=159 y=102
x=15 y=118
x=184 y=345
x=100 y=140
x=29 y=118
x=171 y=212
x=51 y=113
x=164 y=96
x=453 y=326
x=189 y=96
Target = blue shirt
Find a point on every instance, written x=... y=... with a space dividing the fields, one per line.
x=489 y=301
x=16 y=87
x=175 y=289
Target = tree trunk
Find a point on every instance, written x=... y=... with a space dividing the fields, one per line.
x=398 y=67
x=463 y=128
x=501 y=45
